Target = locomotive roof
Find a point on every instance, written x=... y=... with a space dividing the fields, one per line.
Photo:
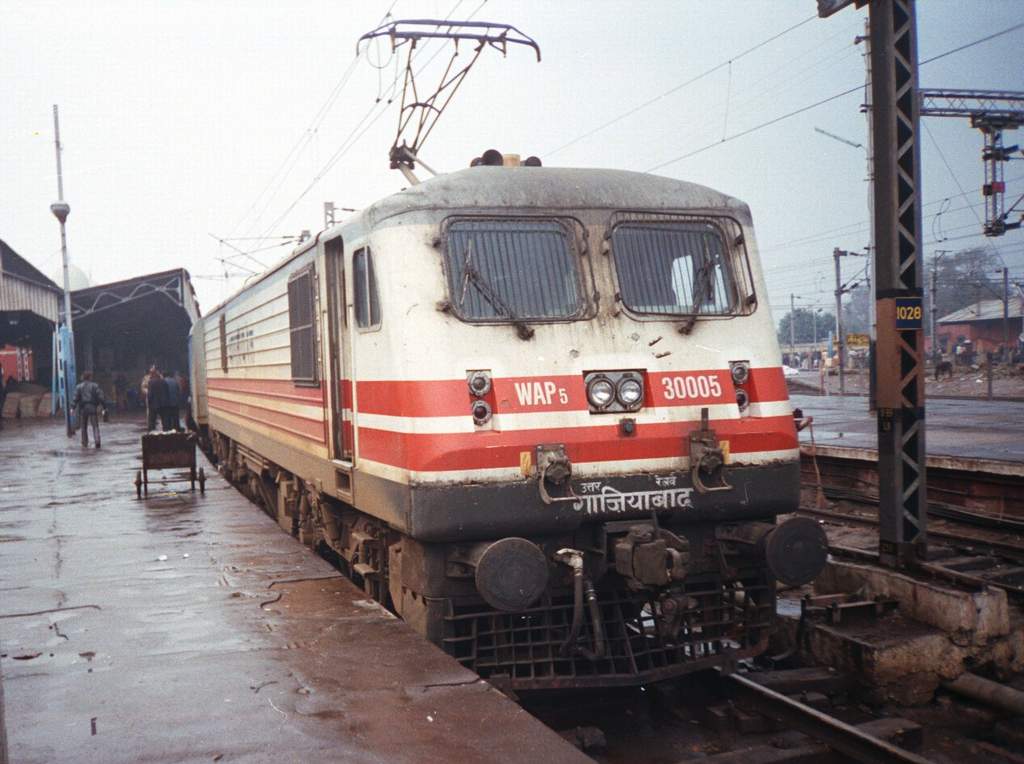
x=553 y=188
x=539 y=188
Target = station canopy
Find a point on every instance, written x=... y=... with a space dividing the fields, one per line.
x=127 y=326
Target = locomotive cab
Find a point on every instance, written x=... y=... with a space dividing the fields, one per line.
x=554 y=431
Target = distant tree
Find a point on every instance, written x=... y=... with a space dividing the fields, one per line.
x=963 y=278
x=804 y=322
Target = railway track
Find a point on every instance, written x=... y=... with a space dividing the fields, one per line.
x=751 y=716
x=965 y=559
x=968 y=490
x=861 y=743
x=976 y=509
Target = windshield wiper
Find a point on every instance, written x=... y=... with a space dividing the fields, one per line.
x=487 y=291
x=701 y=285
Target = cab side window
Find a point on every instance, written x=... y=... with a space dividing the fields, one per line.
x=365 y=285
x=301 y=326
x=223 y=343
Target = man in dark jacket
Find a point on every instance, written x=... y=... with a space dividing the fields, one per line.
x=170 y=414
x=156 y=398
x=89 y=401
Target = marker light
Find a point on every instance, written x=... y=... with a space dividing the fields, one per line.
x=740 y=372
x=742 y=399
x=481 y=411
x=479 y=383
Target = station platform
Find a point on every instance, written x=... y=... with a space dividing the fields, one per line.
x=189 y=628
x=966 y=434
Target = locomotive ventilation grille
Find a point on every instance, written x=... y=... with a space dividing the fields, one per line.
x=522 y=650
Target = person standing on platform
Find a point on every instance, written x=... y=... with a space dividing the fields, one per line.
x=156 y=398
x=89 y=401
x=171 y=412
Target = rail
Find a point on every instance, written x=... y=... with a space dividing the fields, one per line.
x=837 y=734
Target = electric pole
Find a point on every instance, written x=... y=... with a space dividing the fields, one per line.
x=872 y=321
x=840 y=341
x=1006 y=314
x=61 y=210
x=935 y=309
x=66 y=338
x=792 y=326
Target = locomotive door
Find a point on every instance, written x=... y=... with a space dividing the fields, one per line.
x=338 y=352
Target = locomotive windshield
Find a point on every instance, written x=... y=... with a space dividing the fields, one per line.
x=512 y=270
x=667 y=268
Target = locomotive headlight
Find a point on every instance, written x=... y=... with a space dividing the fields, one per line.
x=740 y=372
x=600 y=392
x=630 y=393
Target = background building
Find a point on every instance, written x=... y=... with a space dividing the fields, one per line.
x=982 y=323
x=29 y=311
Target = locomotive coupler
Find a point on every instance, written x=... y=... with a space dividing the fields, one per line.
x=553 y=465
x=650 y=556
x=707 y=459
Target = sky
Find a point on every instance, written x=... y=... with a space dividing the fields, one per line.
x=193 y=130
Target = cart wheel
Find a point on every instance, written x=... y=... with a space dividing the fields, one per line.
x=202 y=480
x=138 y=484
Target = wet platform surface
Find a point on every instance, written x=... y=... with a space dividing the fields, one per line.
x=970 y=430
x=190 y=628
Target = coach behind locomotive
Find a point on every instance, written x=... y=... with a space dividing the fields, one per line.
x=539 y=412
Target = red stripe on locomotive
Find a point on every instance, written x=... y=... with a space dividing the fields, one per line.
x=432 y=452
x=303 y=427
x=767 y=384
x=282 y=389
x=512 y=395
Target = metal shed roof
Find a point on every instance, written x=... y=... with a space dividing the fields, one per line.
x=159 y=291
x=986 y=310
x=23 y=287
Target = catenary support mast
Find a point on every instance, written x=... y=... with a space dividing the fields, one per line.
x=898 y=271
x=895 y=116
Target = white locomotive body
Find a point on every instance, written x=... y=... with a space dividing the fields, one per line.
x=537 y=411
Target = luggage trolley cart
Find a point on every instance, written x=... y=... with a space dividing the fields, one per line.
x=169 y=450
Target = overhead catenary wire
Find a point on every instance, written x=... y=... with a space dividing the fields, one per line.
x=776 y=270
x=979 y=41
x=849 y=229
x=755 y=128
x=956 y=180
x=354 y=134
x=823 y=101
x=677 y=88
x=287 y=164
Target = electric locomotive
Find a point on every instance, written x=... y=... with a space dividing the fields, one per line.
x=538 y=412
